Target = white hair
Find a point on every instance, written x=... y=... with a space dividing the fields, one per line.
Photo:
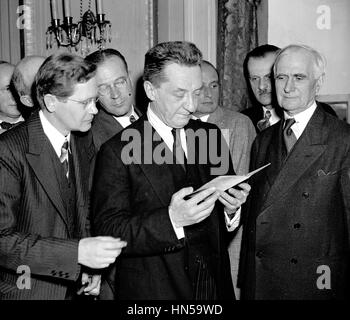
x=319 y=60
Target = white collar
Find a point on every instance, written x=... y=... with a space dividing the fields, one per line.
x=55 y=137
x=202 y=118
x=165 y=131
x=301 y=119
x=125 y=120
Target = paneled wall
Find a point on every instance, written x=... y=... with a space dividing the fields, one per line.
x=191 y=20
x=10 y=49
x=322 y=24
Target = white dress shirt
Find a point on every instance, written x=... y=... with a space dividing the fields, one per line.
x=165 y=133
x=301 y=119
x=125 y=120
x=55 y=137
x=274 y=117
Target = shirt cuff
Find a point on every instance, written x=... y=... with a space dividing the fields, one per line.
x=179 y=231
x=233 y=223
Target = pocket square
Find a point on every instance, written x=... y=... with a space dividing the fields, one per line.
x=321 y=173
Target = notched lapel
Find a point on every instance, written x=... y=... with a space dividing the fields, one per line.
x=38 y=157
x=159 y=176
x=309 y=147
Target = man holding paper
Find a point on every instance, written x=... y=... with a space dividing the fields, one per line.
x=176 y=247
x=296 y=231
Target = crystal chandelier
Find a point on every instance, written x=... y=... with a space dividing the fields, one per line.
x=89 y=31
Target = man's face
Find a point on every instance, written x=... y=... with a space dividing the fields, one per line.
x=8 y=107
x=209 y=97
x=114 y=87
x=176 y=98
x=260 y=74
x=76 y=112
x=296 y=85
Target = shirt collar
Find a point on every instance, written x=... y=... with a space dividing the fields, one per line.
x=20 y=119
x=125 y=120
x=55 y=137
x=165 y=131
x=202 y=118
x=301 y=119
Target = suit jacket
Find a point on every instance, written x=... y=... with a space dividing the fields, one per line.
x=298 y=214
x=256 y=113
x=239 y=134
x=35 y=229
x=131 y=201
x=104 y=127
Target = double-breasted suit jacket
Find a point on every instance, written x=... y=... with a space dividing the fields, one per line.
x=36 y=229
x=298 y=215
x=131 y=201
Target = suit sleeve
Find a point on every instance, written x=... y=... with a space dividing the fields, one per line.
x=146 y=231
x=45 y=256
x=241 y=140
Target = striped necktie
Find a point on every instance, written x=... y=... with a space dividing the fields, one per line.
x=265 y=122
x=288 y=135
x=64 y=157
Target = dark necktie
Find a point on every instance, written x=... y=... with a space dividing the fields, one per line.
x=178 y=153
x=7 y=125
x=132 y=119
x=288 y=135
x=265 y=122
x=64 y=157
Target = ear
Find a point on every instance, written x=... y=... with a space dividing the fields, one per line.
x=27 y=101
x=50 y=102
x=150 y=90
x=319 y=82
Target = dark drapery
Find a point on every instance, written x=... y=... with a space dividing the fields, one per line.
x=237 y=35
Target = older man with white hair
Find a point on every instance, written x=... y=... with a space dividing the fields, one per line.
x=296 y=234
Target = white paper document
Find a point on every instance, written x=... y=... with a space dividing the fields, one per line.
x=224 y=183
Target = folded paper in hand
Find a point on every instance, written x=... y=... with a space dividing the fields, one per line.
x=224 y=183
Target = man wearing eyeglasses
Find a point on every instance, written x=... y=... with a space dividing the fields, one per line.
x=116 y=110
x=46 y=251
x=9 y=113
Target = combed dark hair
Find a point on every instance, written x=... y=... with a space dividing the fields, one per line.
x=158 y=57
x=258 y=52
x=60 y=73
x=99 y=56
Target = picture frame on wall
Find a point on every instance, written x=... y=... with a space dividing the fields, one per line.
x=339 y=102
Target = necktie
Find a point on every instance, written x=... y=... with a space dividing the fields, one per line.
x=178 y=152
x=7 y=125
x=288 y=135
x=64 y=157
x=265 y=122
x=132 y=119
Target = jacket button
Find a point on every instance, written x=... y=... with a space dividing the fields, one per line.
x=306 y=195
x=294 y=261
x=259 y=254
x=297 y=226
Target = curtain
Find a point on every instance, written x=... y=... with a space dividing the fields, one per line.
x=237 y=35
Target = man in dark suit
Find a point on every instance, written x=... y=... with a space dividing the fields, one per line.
x=9 y=113
x=296 y=235
x=44 y=198
x=257 y=68
x=116 y=110
x=176 y=246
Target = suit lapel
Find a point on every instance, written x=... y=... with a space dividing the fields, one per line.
x=38 y=156
x=309 y=147
x=159 y=176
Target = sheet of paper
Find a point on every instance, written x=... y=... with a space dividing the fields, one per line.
x=223 y=183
